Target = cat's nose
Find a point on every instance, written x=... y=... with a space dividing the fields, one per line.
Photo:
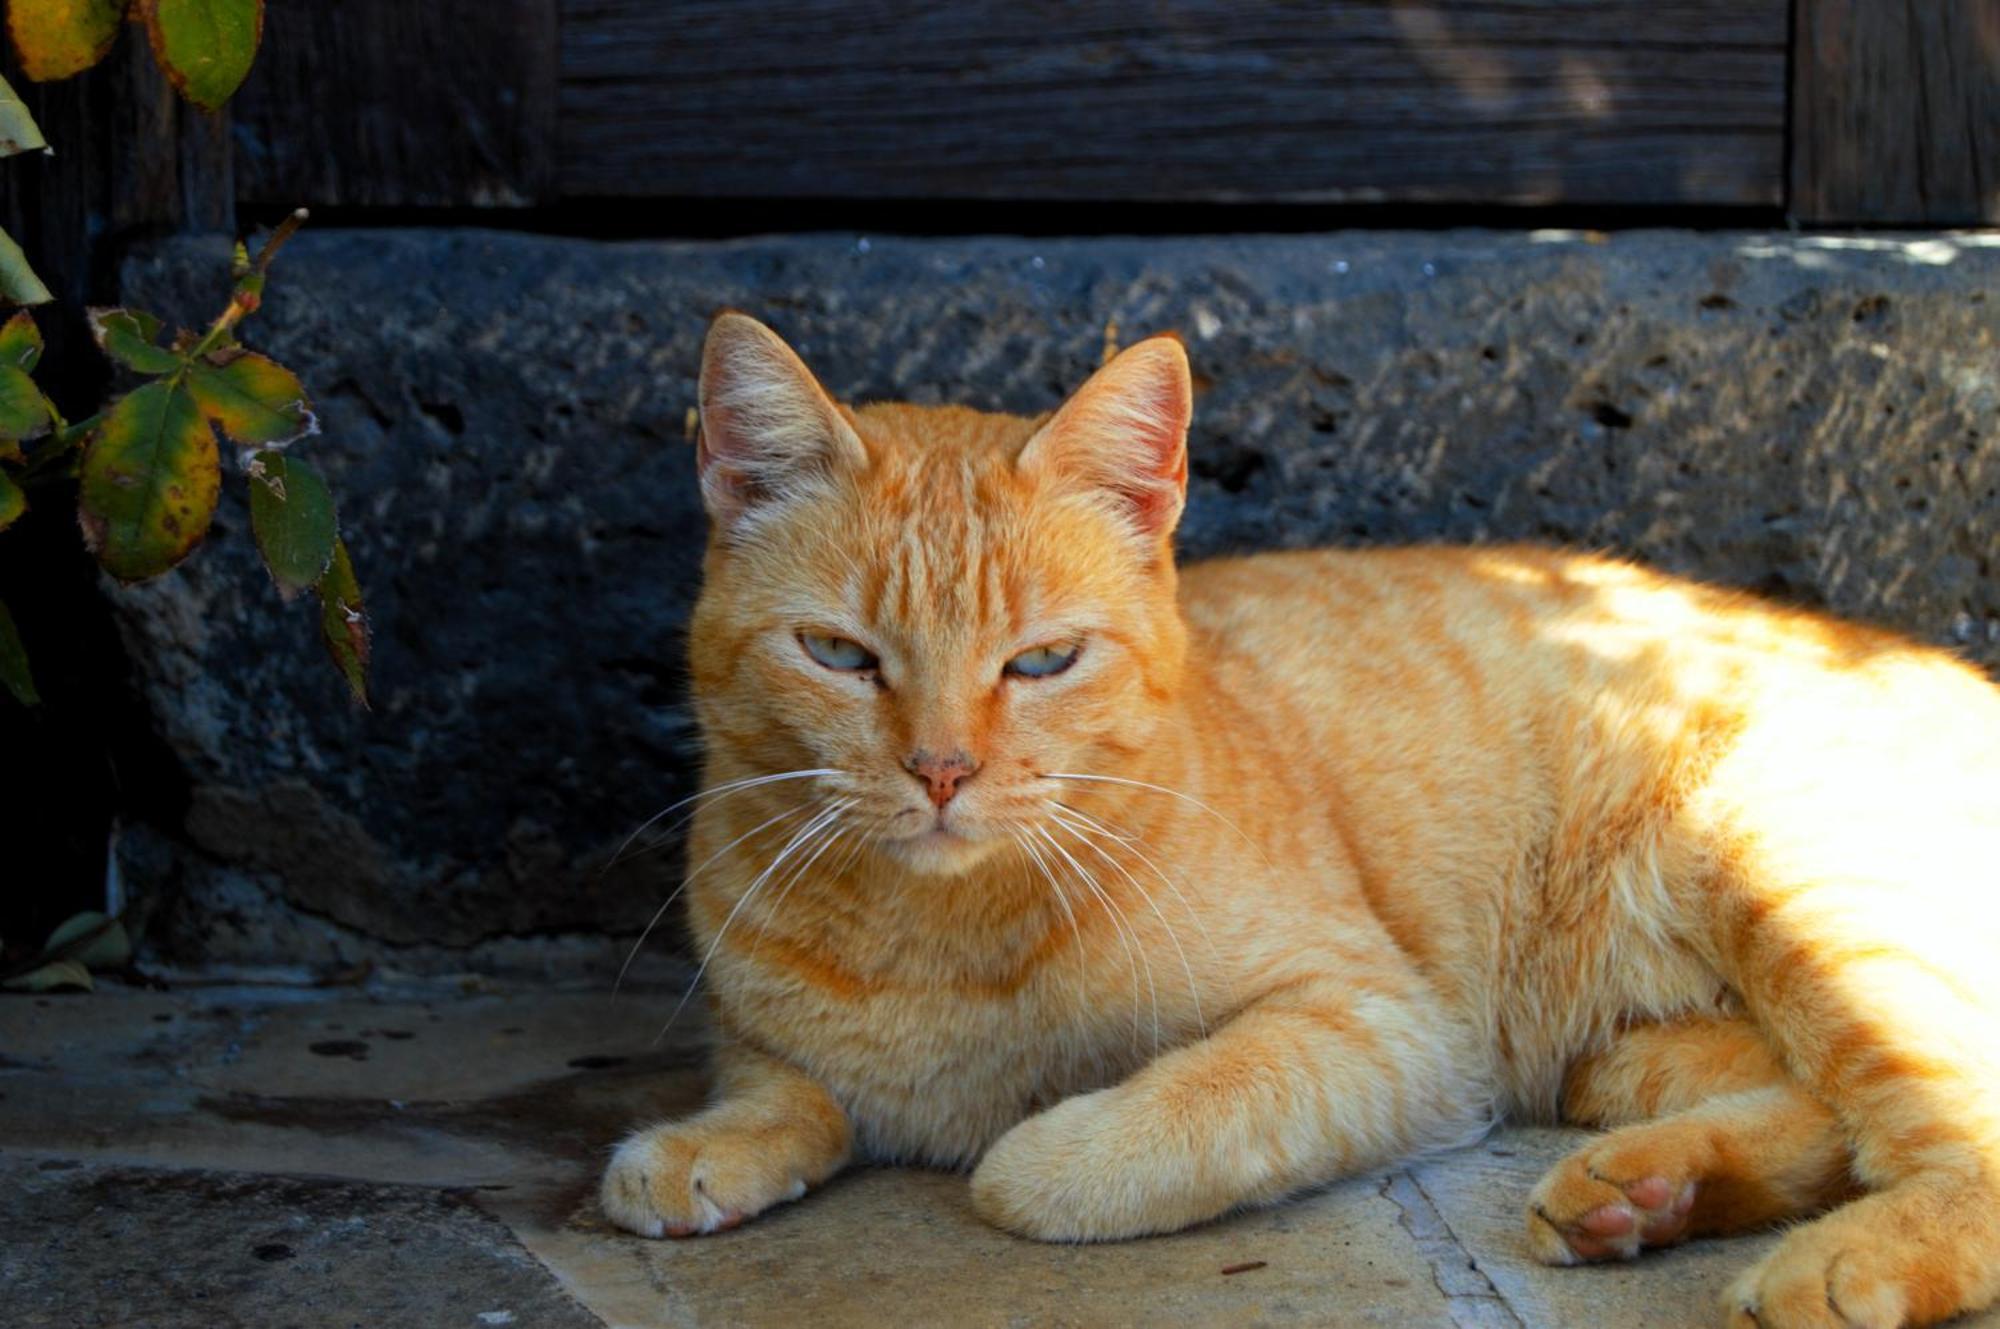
x=942 y=774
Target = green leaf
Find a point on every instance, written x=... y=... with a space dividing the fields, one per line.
x=255 y=399
x=291 y=514
x=91 y=938
x=150 y=480
x=205 y=46
x=18 y=281
x=18 y=130
x=13 y=502
x=21 y=342
x=14 y=662
x=343 y=622
x=129 y=336
x=24 y=412
x=53 y=975
x=57 y=38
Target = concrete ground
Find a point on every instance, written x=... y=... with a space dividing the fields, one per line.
x=226 y=1155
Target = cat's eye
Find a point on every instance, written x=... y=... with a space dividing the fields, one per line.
x=1044 y=661
x=838 y=652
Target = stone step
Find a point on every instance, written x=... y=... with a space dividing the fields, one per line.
x=507 y=425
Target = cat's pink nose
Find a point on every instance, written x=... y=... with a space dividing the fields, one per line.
x=942 y=775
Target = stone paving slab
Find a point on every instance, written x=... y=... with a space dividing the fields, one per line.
x=1478 y=1194
x=153 y=1249
x=428 y=1156
x=877 y=1239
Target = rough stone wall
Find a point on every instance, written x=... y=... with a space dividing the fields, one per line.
x=506 y=426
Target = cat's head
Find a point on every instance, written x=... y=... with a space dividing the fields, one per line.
x=948 y=608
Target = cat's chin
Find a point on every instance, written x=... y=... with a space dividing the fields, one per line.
x=939 y=853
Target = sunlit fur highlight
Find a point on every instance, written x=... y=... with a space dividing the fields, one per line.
x=1383 y=844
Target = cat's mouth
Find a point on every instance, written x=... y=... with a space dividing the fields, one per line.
x=937 y=842
x=926 y=825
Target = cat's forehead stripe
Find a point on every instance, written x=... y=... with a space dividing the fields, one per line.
x=935 y=554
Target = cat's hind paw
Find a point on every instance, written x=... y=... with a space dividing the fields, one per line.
x=1915 y=1254
x=684 y=1181
x=1611 y=1200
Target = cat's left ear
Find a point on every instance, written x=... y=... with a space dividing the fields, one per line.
x=770 y=433
x=1122 y=436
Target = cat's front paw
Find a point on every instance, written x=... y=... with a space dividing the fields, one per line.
x=1077 y=1172
x=689 y=1179
x=1045 y=1178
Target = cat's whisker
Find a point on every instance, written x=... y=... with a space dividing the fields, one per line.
x=1029 y=853
x=1138 y=846
x=1194 y=995
x=717 y=791
x=861 y=841
x=1102 y=826
x=1111 y=905
x=778 y=906
x=1171 y=793
x=1131 y=963
x=811 y=829
x=675 y=894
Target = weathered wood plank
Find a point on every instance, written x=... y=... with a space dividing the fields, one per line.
x=1516 y=101
x=171 y=164
x=1896 y=112
x=400 y=103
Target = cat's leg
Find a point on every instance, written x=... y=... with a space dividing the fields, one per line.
x=1318 y=1078
x=1880 y=996
x=772 y=1132
x=1739 y=1146
x=1653 y=1070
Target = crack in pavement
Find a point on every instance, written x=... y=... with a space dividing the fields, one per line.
x=1470 y=1297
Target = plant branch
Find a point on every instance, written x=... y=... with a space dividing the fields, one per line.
x=249 y=292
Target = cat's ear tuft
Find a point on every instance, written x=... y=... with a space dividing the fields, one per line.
x=769 y=431
x=1122 y=437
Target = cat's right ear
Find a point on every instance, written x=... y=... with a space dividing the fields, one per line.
x=769 y=431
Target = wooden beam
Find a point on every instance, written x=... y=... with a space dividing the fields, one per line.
x=1623 y=102
x=1896 y=112
x=400 y=103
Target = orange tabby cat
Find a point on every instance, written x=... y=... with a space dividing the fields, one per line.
x=1154 y=894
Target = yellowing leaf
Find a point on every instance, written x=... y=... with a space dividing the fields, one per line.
x=14 y=662
x=13 y=502
x=343 y=624
x=57 y=38
x=291 y=514
x=149 y=483
x=18 y=130
x=205 y=46
x=128 y=336
x=21 y=342
x=18 y=281
x=24 y=412
x=255 y=399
